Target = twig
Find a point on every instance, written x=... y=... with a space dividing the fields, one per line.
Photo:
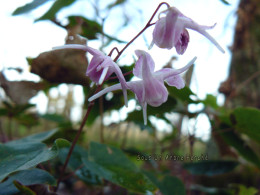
x=248 y=80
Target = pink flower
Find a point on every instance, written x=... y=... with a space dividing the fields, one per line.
x=170 y=31
x=100 y=66
x=150 y=89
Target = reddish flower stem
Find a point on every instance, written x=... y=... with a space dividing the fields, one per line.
x=91 y=104
x=115 y=77
x=73 y=144
x=146 y=26
x=115 y=48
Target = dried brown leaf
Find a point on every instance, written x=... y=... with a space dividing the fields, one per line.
x=20 y=91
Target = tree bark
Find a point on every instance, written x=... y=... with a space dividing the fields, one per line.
x=242 y=88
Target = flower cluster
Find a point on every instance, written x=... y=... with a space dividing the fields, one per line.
x=169 y=31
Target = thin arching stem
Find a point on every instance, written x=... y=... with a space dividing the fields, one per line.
x=73 y=144
x=146 y=26
x=115 y=48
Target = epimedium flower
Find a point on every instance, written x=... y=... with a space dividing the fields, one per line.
x=100 y=67
x=171 y=31
x=150 y=88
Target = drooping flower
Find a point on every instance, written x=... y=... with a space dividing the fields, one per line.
x=100 y=67
x=150 y=89
x=170 y=31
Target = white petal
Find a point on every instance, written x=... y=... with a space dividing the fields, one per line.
x=103 y=75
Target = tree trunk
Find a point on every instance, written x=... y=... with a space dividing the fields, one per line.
x=242 y=88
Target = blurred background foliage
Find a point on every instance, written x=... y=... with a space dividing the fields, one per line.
x=126 y=157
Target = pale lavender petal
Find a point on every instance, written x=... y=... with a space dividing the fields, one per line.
x=113 y=67
x=144 y=59
x=121 y=79
x=100 y=67
x=138 y=88
x=92 y=72
x=106 y=63
x=176 y=81
x=104 y=91
x=155 y=92
x=81 y=47
x=207 y=35
x=164 y=30
x=163 y=74
x=159 y=37
x=178 y=30
x=189 y=23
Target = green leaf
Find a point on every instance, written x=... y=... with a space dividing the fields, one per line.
x=26 y=177
x=137 y=117
x=115 y=103
x=182 y=94
x=54 y=118
x=56 y=7
x=39 y=137
x=225 y=2
x=90 y=29
x=16 y=110
x=211 y=101
x=167 y=184
x=3 y=112
x=234 y=140
x=112 y=164
x=22 y=156
x=243 y=190
x=247 y=121
x=209 y=190
x=117 y=2
x=60 y=143
x=28 y=7
x=23 y=189
x=75 y=164
x=27 y=119
x=210 y=168
x=159 y=112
